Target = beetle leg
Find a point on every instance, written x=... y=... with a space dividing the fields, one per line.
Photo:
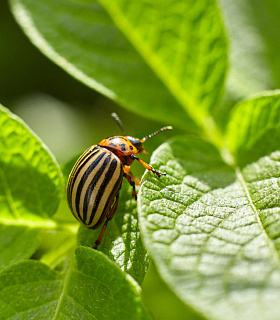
x=132 y=183
x=147 y=166
x=109 y=217
x=126 y=169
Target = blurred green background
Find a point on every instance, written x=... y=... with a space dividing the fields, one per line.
x=69 y=117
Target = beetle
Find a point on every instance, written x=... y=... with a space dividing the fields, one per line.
x=95 y=181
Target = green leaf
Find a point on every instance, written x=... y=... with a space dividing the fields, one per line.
x=17 y=243
x=183 y=42
x=81 y=38
x=213 y=231
x=91 y=288
x=253 y=130
x=29 y=290
x=30 y=179
x=179 y=50
x=122 y=242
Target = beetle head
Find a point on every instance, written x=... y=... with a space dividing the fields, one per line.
x=137 y=143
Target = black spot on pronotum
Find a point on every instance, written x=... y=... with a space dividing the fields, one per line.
x=112 y=144
x=122 y=145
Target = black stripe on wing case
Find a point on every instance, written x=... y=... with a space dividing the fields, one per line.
x=81 y=166
x=92 y=186
x=114 y=192
x=83 y=180
x=103 y=186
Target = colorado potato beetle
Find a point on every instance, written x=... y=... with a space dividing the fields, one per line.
x=95 y=181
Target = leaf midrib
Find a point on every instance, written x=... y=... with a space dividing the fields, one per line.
x=66 y=279
x=271 y=244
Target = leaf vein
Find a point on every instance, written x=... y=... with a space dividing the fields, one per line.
x=256 y=211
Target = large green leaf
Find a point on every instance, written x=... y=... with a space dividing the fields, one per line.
x=153 y=58
x=93 y=287
x=213 y=230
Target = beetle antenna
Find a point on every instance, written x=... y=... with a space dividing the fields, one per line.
x=156 y=132
x=118 y=120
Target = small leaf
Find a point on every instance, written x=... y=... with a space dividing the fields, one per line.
x=30 y=179
x=91 y=288
x=213 y=231
x=253 y=130
x=114 y=287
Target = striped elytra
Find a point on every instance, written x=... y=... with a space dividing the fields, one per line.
x=93 y=185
